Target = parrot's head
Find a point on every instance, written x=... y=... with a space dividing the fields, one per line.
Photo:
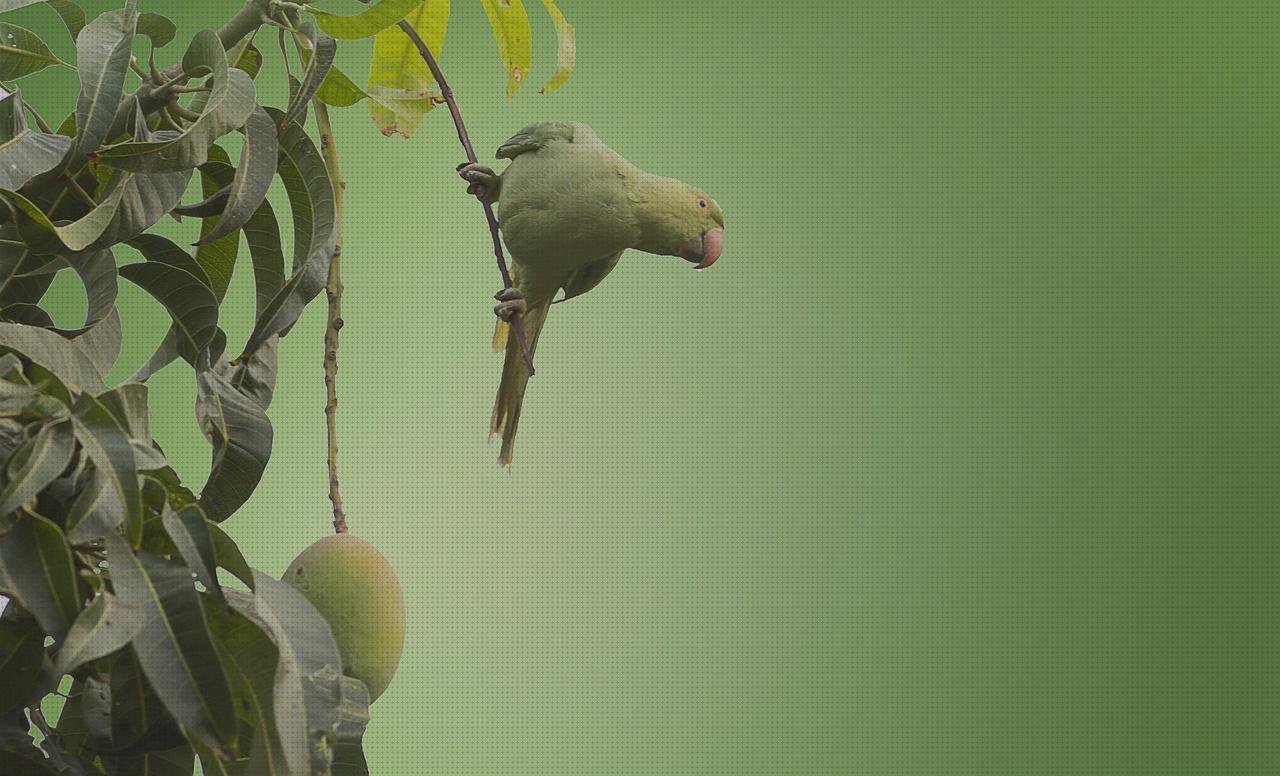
x=683 y=221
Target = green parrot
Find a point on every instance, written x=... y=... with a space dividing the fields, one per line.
x=568 y=207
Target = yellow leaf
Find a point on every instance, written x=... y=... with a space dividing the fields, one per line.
x=566 y=48
x=510 y=26
x=398 y=75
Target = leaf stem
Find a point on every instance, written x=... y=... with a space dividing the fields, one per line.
x=333 y=291
x=517 y=325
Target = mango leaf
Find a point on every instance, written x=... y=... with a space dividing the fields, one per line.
x=72 y=15
x=249 y=59
x=63 y=357
x=156 y=27
x=106 y=625
x=315 y=709
x=25 y=154
x=135 y=717
x=262 y=233
x=241 y=435
x=339 y=91
x=173 y=646
x=101 y=343
x=97 y=272
x=178 y=761
x=319 y=59
x=255 y=374
x=190 y=534
x=399 y=81
x=186 y=295
x=368 y=22
x=306 y=182
x=566 y=48
x=21 y=653
x=23 y=53
x=36 y=569
x=228 y=555
x=12 y=5
x=105 y=438
x=218 y=257
x=51 y=451
x=510 y=26
x=103 y=49
x=253 y=177
x=227 y=108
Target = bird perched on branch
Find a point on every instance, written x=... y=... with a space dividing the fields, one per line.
x=568 y=207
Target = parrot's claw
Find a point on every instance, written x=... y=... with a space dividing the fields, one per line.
x=510 y=304
x=480 y=179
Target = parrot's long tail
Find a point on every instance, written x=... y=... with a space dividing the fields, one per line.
x=515 y=377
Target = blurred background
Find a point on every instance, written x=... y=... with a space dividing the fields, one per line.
x=961 y=460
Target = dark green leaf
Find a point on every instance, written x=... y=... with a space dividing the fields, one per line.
x=137 y=719
x=367 y=22
x=103 y=49
x=72 y=15
x=105 y=437
x=190 y=534
x=36 y=568
x=106 y=625
x=262 y=233
x=29 y=314
x=97 y=272
x=156 y=27
x=217 y=257
x=51 y=451
x=22 y=52
x=72 y=731
x=25 y=154
x=306 y=181
x=252 y=178
x=173 y=646
x=97 y=510
x=189 y=300
x=241 y=435
x=101 y=343
x=229 y=557
x=21 y=653
x=210 y=206
x=227 y=108
x=63 y=357
x=319 y=60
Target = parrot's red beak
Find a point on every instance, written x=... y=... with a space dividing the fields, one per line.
x=704 y=249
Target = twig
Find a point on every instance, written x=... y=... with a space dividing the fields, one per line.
x=517 y=325
x=334 y=293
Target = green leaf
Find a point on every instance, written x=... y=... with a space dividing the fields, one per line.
x=63 y=357
x=51 y=451
x=316 y=708
x=72 y=15
x=217 y=257
x=173 y=646
x=103 y=49
x=12 y=5
x=566 y=48
x=105 y=437
x=36 y=568
x=400 y=84
x=178 y=761
x=156 y=27
x=23 y=53
x=339 y=91
x=135 y=717
x=97 y=272
x=255 y=374
x=190 y=301
x=228 y=106
x=106 y=625
x=262 y=233
x=228 y=555
x=190 y=534
x=249 y=60
x=510 y=26
x=319 y=60
x=253 y=176
x=367 y=22
x=306 y=182
x=241 y=435
x=25 y=154
x=21 y=654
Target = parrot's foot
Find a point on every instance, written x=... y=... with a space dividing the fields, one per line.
x=510 y=304
x=481 y=181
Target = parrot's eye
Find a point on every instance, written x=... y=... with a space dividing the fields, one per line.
x=702 y=203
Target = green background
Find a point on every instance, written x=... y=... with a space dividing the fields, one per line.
x=961 y=460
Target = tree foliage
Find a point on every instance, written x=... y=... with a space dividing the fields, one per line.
x=122 y=599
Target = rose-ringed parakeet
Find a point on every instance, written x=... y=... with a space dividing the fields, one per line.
x=568 y=207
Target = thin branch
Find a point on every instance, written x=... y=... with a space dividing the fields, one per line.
x=334 y=294
x=517 y=325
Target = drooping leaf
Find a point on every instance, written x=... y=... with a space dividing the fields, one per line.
x=97 y=510
x=566 y=48
x=21 y=653
x=253 y=176
x=241 y=435
x=105 y=438
x=61 y=356
x=107 y=624
x=101 y=343
x=103 y=49
x=319 y=60
x=190 y=534
x=23 y=53
x=376 y=17
x=249 y=60
x=173 y=646
x=36 y=569
x=97 y=272
x=136 y=719
x=314 y=707
x=228 y=555
x=163 y=250
x=72 y=15
x=400 y=84
x=262 y=233
x=25 y=154
x=18 y=284
x=217 y=257
x=255 y=374
x=306 y=182
x=210 y=206
x=510 y=26
x=156 y=27
x=51 y=451
x=188 y=298
x=226 y=109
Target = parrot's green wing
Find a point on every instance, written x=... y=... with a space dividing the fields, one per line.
x=535 y=136
x=588 y=277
